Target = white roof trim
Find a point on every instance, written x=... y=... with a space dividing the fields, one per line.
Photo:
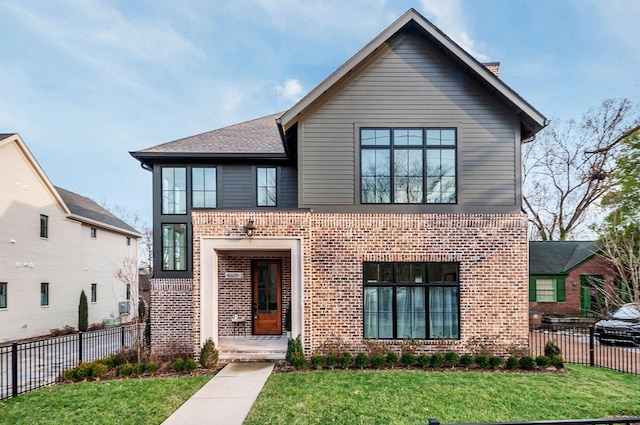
x=412 y=15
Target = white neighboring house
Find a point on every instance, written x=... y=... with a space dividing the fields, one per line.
x=54 y=244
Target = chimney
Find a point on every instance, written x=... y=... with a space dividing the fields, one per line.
x=494 y=67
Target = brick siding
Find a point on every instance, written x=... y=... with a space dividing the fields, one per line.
x=491 y=251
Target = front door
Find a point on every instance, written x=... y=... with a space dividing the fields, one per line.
x=266 y=298
x=591 y=294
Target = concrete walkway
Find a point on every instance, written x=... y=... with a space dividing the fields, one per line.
x=226 y=398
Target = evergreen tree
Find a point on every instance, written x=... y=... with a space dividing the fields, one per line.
x=83 y=313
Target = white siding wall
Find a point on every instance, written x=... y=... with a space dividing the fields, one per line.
x=69 y=260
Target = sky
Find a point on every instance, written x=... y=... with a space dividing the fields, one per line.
x=84 y=82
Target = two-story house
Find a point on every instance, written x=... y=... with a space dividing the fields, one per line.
x=385 y=204
x=53 y=245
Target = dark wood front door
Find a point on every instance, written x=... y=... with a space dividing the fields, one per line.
x=266 y=298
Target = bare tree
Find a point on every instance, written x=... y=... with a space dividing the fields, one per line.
x=127 y=272
x=569 y=168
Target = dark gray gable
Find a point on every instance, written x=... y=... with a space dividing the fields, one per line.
x=558 y=257
x=86 y=208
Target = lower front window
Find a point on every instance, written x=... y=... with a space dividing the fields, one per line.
x=411 y=300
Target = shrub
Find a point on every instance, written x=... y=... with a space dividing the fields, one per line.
x=125 y=369
x=543 y=361
x=111 y=362
x=83 y=371
x=392 y=358
x=495 y=362
x=512 y=363
x=295 y=354
x=466 y=360
x=208 y=354
x=377 y=361
x=361 y=360
x=139 y=369
x=190 y=365
x=316 y=361
x=557 y=362
x=482 y=361
x=331 y=360
x=437 y=360
x=346 y=359
x=152 y=367
x=527 y=363
x=423 y=360
x=551 y=350
x=177 y=365
x=98 y=370
x=408 y=359
x=83 y=313
x=451 y=358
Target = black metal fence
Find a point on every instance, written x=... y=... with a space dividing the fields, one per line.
x=25 y=366
x=604 y=421
x=579 y=345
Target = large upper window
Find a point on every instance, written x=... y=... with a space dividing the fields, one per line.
x=174 y=246
x=203 y=192
x=44 y=226
x=266 y=186
x=174 y=190
x=408 y=165
x=411 y=300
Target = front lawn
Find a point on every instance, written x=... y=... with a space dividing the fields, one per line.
x=412 y=397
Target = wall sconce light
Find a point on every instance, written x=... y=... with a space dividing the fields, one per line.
x=249 y=228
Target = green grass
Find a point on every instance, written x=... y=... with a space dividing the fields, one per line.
x=132 y=401
x=411 y=397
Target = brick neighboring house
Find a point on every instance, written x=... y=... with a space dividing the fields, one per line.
x=304 y=210
x=563 y=276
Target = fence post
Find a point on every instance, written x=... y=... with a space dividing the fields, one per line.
x=79 y=347
x=591 y=347
x=122 y=336
x=14 y=369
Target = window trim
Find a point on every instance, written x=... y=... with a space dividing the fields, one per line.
x=394 y=284
x=185 y=248
x=4 y=295
x=44 y=226
x=205 y=190
x=424 y=147
x=275 y=186
x=44 y=294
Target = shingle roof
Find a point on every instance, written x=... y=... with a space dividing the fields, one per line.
x=258 y=136
x=84 y=207
x=558 y=257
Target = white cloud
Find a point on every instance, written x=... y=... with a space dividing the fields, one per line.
x=448 y=15
x=291 y=90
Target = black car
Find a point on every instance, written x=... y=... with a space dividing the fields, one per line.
x=622 y=327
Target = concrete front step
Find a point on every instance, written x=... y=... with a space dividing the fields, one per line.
x=253 y=356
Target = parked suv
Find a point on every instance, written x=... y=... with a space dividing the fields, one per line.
x=622 y=327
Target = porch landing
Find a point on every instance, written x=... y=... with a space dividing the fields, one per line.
x=252 y=348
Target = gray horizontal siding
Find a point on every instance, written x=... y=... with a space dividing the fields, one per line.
x=289 y=187
x=409 y=83
x=237 y=187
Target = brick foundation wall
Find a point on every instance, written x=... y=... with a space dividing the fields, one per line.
x=172 y=309
x=491 y=251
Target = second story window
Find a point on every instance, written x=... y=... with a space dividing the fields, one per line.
x=408 y=165
x=203 y=183
x=44 y=294
x=174 y=190
x=174 y=246
x=3 y=294
x=44 y=226
x=94 y=292
x=266 y=186
x=93 y=232
x=128 y=241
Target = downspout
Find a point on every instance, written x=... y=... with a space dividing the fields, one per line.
x=282 y=137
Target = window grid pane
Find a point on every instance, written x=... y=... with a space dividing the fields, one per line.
x=174 y=247
x=3 y=294
x=44 y=294
x=44 y=226
x=545 y=290
x=204 y=187
x=266 y=185
x=94 y=292
x=174 y=190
